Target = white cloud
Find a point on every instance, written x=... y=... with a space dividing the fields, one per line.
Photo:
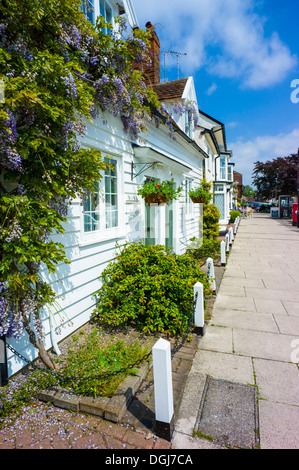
x=230 y=29
x=262 y=148
x=211 y=89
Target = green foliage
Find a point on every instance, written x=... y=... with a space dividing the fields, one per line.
x=203 y=190
x=210 y=245
x=87 y=358
x=248 y=191
x=233 y=215
x=209 y=248
x=150 y=288
x=164 y=187
x=211 y=216
x=198 y=193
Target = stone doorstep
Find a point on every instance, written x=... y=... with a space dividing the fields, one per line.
x=111 y=409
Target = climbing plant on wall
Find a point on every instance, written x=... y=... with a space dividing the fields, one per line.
x=59 y=71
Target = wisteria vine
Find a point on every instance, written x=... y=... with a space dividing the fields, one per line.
x=59 y=72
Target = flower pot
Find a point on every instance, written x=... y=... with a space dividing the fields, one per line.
x=156 y=198
x=199 y=199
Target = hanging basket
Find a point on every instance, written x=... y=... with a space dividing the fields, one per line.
x=156 y=198
x=199 y=199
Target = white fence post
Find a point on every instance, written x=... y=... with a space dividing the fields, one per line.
x=235 y=227
x=227 y=243
x=199 y=316
x=222 y=252
x=211 y=274
x=3 y=363
x=163 y=389
x=231 y=235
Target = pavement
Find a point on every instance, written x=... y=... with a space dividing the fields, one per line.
x=253 y=336
x=250 y=344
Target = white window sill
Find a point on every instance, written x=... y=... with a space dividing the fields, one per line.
x=94 y=238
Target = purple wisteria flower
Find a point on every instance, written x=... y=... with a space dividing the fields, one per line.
x=9 y=156
x=70 y=84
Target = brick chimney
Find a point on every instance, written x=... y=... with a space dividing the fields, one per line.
x=152 y=72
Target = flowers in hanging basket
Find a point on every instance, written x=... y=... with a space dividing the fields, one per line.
x=155 y=192
x=200 y=194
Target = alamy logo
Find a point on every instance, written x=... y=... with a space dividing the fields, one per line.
x=295 y=93
x=295 y=353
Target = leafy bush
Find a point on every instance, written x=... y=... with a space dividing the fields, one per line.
x=211 y=216
x=149 y=288
x=234 y=215
x=208 y=248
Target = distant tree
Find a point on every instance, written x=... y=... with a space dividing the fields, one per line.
x=248 y=191
x=276 y=177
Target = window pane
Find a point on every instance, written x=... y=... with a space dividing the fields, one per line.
x=102 y=8
x=88 y=9
x=113 y=186
x=107 y=184
x=91 y=214
x=219 y=202
x=111 y=198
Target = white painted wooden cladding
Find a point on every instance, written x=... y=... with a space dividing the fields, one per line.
x=75 y=283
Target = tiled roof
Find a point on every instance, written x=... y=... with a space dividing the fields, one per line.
x=170 y=90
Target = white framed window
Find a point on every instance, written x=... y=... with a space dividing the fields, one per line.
x=111 y=195
x=222 y=168
x=188 y=202
x=101 y=215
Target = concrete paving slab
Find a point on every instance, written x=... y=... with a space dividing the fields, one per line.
x=275 y=294
x=260 y=273
x=291 y=307
x=245 y=320
x=269 y=306
x=235 y=291
x=237 y=281
x=263 y=345
x=279 y=425
x=288 y=284
x=277 y=381
x=184 y=441
x=217 y=339
x=234 y=303
x=287 y=325
x=233 y=271
x=188 y=411
x=224 y=366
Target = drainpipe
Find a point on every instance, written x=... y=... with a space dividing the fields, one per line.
x=215 y=174
x=3 y=363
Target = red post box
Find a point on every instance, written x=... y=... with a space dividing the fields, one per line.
x=295 y=212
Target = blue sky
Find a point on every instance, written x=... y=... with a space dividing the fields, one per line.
x=243 y=55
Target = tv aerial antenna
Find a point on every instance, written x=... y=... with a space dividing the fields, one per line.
x=177 y=54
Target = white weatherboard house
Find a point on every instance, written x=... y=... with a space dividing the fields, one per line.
x=118 y=215
x=210 y=135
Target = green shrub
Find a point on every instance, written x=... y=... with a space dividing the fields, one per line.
x=149 y=288
x=208 y=248
x=233 y=215
x=211 y=216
